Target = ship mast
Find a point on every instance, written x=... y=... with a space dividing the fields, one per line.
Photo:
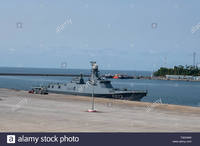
x=95 y=72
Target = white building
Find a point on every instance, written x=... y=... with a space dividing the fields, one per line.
x=179 y=77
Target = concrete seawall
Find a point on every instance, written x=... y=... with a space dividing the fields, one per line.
x=24 y=112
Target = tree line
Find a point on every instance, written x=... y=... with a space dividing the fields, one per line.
x=178 y=70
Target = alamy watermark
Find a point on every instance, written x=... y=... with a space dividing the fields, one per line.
x=62 y=26
x=153 y=105
x=195 y=28
x=19 y=24
x=22 y=102
x=154 y=25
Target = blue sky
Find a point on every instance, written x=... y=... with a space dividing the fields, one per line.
x=117 y=34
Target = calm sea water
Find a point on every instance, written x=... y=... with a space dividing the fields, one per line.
x=170 y=92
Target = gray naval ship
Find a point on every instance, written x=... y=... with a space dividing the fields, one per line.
x=95 y=86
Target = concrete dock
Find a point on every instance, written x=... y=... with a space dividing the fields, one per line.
x=24 y=112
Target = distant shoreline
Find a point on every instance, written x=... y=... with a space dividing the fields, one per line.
x=164 y=78
x=157 y=78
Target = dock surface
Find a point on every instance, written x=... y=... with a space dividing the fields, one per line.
x=24 y=112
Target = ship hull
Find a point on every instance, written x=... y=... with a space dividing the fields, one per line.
x=124 y=96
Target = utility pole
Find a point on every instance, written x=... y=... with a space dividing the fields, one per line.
x=165 y=62
x=194 y=59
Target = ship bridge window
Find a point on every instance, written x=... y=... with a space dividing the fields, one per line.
x=59 y=86
x=52 y=86
x=106 y=85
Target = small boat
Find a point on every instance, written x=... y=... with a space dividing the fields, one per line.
x=38 y=90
